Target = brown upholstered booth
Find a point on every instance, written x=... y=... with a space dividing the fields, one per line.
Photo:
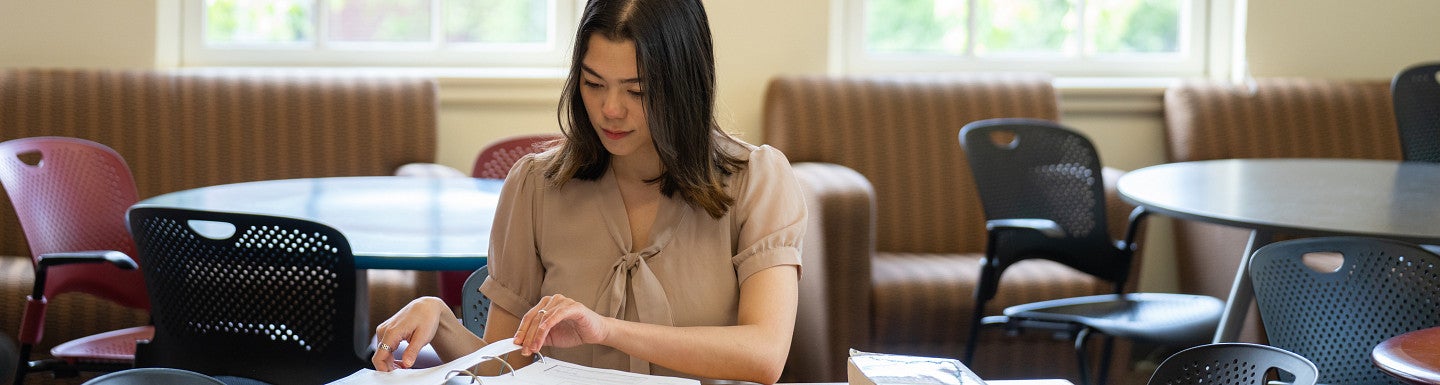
x=1271 y=118
x=179 y=130
x=891 y=258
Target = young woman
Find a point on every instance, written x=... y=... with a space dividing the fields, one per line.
x=647 y=240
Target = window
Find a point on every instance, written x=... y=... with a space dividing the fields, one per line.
x=440 y=33
x=1078 y=38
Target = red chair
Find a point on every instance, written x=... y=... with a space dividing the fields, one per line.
x=71 y=196
x=494 y=162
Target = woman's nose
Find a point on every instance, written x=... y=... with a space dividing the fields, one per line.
x=613 y=106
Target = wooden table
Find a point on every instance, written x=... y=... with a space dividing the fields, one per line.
x=404 y=223
x=1412 y=357
x=1308 y=197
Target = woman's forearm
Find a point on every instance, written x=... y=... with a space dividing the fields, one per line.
x=743 y=352
x=753 y=350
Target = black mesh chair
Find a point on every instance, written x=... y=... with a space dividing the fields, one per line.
x=1043 y=195
x=475 y=306
x=1415 y=91
x=154 y=376
x=259 y=297
x=1234 y=364
x=1332 y=299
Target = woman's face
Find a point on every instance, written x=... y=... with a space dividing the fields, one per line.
x=611 y=88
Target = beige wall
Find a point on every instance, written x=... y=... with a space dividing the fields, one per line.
x=757 y=39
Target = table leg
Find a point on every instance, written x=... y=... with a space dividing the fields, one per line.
x=1241 y=292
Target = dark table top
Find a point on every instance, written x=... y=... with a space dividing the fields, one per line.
x=1413 y=357
x=391 y=222
x=1390 y=199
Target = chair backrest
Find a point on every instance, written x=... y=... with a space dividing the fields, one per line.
x=148 y=376
x=1416 y=94
x=71 y=195
x=475 y=306
x=496 y=158
x=268 y=298
x=899 y=131
x=1232 y=364
x=1332 y=299
x=1039 y=169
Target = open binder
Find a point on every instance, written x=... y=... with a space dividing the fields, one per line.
x=544 y=371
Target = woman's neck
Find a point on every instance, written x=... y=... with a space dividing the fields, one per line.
x=636 y=167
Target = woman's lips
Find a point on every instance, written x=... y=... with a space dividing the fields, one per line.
x=616 y=135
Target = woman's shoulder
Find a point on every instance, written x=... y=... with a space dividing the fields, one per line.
x=750 y=153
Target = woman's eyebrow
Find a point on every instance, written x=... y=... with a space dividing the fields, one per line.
x=591 y=71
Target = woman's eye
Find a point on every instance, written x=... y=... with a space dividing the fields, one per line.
x=637 y=93
x=591 y=84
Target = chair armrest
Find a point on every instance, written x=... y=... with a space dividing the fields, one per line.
x=1045 y=227
x=835 y=284
x=116 y=258
x=47 y=260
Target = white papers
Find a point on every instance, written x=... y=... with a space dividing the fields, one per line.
x=891 y=369
x=431 y=375
x=547 y=371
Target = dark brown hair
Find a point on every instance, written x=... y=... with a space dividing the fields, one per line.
x=677 y=64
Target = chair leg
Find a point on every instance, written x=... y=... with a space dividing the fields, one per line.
x=22 y=367
x=1080 y=340
x=1105 y=360
x=975 y=325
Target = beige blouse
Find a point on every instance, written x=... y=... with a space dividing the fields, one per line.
x=575 y=241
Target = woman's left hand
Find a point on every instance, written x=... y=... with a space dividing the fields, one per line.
x=561 y=322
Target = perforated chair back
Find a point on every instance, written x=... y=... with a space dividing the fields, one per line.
x=496 y=158
x=1038 y=169
x=476 y=307
x=71 y=195
x=261 y=297
x=1415 y=92
x=1232 y=364
x=1361 y=292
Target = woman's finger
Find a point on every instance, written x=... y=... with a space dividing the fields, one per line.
x=384 y=358
x=529 y=326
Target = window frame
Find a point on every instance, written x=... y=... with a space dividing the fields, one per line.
x=1213 y=39
x=553 y=53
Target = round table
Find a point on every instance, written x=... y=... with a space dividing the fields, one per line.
x=391 y=222
x=1310 y=197
x=1412 y=357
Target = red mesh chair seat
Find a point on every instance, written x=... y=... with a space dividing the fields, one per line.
x=113 y=346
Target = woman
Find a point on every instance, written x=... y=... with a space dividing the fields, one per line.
x=648 y=239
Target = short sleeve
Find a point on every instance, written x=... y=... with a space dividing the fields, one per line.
x=769 y=212
x=515 y=268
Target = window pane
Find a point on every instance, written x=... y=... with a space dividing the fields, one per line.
x=1136 y=26
x=497 y=21
x=257 y=21
x=379 y=20
x=1025 y=27
x=915 y=26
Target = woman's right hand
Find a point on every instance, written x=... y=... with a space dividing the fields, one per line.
x=415 y=324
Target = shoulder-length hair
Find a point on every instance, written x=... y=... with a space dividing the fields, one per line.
x=677 y=64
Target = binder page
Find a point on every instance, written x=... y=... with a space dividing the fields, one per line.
x=432 y=375
x=550 y=371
